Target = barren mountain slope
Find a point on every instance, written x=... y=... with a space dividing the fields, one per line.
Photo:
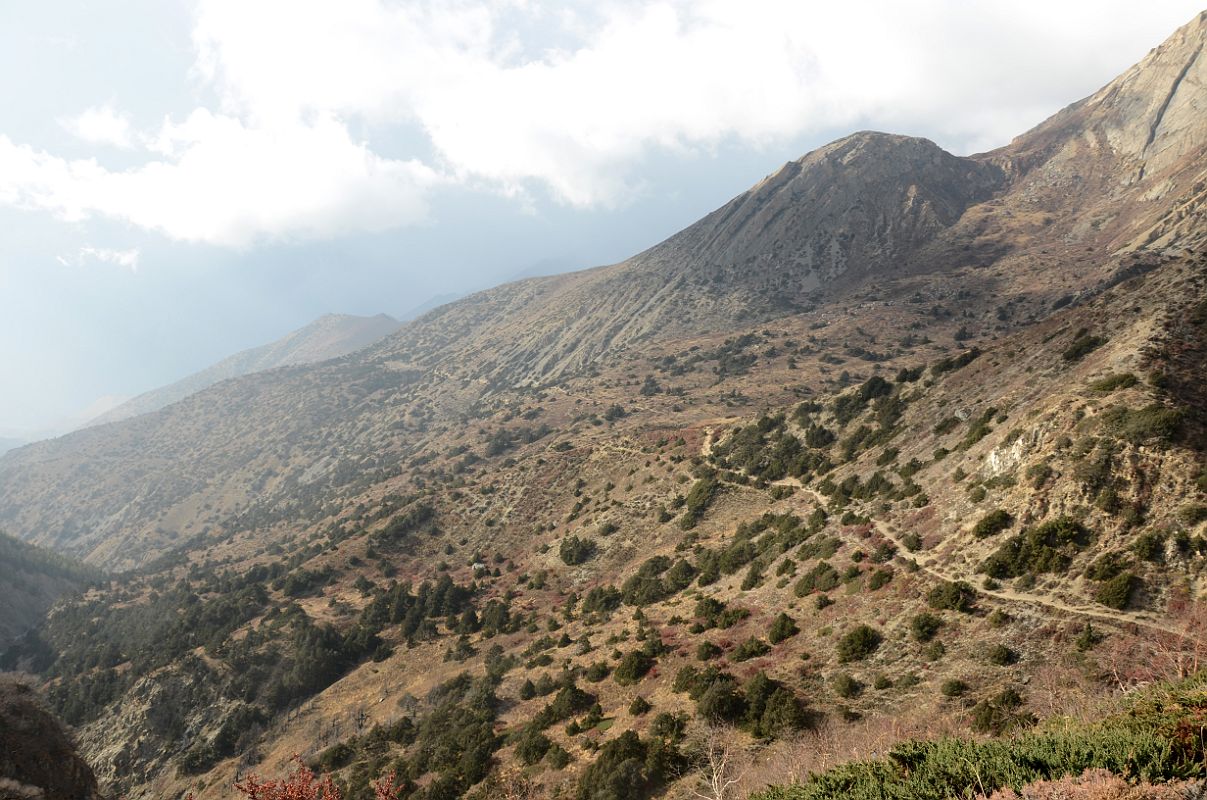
x=329 y=336
x=1060 y=213
x=539 y=536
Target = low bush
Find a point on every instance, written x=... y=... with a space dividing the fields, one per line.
x=1111 y=383
x=924 y=626
x=784 y=627
x=1048 y=547
x=576 y=550
x=1118 y=592
x=858 y=643
x=846 y=686
x=751 y=648
x=1153 y=423
x=992 y=523
x=952 y=596
x=953 y=687
x=1083 y=344
x=632 y=668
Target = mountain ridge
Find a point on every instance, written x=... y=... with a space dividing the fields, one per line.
x=894 y=441
x=1031 y=238
x=329 y=336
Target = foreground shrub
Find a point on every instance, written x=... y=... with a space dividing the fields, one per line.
x=632 y=668
x=858 y=643
x=1048 y=547
x=924 y=626
x=957 y=596
x=1117 y=593
x=1146 y=743
x=784 y=627
x=992 y=523
x=576 y=550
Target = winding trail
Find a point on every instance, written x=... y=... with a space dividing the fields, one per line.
x=927 y=564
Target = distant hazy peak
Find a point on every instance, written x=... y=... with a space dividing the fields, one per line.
x=329 y=336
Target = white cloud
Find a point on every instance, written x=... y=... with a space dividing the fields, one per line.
x=513 y=94
x=101 y=125
x=221 y=182
x=127 y=259
x=630 y=79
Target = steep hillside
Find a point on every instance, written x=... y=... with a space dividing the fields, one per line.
x=329 y=336
x=33 y=579
x=894 y=445
x=37 y=757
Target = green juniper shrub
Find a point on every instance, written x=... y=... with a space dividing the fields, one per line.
x=732 y=616
x=1107 y=566
x=821 y=578
x=576 y=550
x=858 y=643
x=1192 y=513
x=1139 y=745
x=1153 y=423
x=640 y=706
x=1087 y=639
x=669 y=726
x=558 y=757
x=992 y=523
x=1150 y=546
x=698 y=500
x=782 y=628
x=1000 y=655
x=1118 y=592
x=771 y=709
x=924 y=626
x=532 y=745
x=879 y=579
x=706 y=651
x=1048 y=547
x=751 y=648
x=846 y=686
x=720 y=699
x=953 y=687
x=952 y=596
x=1001 y=714
x=1114 y=382
x=1082 y=344
x=626 y=768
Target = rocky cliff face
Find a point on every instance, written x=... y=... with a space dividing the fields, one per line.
x=38 y=760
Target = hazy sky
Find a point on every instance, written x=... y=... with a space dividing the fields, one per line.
x=179 y=181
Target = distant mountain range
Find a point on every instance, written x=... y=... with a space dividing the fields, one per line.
x=329 y=336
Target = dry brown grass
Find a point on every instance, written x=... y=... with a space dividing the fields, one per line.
x=833 y=743
x=1099 y=784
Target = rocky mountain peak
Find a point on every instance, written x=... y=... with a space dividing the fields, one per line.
x=1147 y=121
